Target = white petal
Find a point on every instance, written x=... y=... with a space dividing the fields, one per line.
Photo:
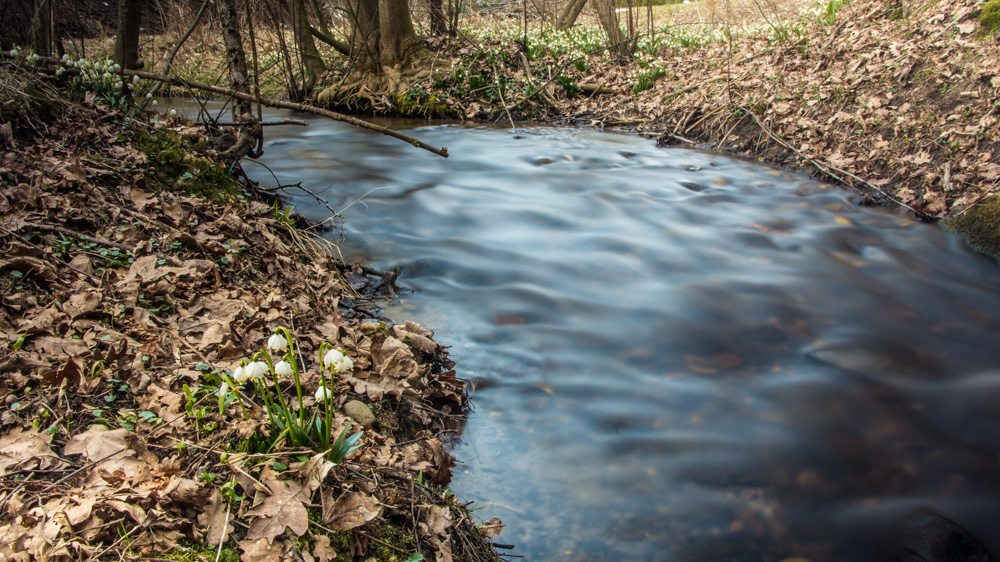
x=322 y=393
x=344 y=365
x=277 y=342
x=256 y=370
x=333 y=357
x=283 y=368
x=239 y=374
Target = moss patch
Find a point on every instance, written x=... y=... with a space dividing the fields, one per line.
x=175 y=165
x=989 y=20
x=981 y=225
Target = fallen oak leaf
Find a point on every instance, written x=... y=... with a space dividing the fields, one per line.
x=352 y=509
x=21 y=449
x=260 y=550
x=283 y=508
x=322 y=551
x=215 y=518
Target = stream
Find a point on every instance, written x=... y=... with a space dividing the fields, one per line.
x=678 y=356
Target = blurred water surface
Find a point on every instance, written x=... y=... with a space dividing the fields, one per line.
x=680 y=356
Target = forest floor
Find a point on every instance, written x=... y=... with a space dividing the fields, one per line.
x=136 y=275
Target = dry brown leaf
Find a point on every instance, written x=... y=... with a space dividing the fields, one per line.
x=29 y=449
x=352 y=509
x=283 y=508
x=214 y=518
x=97 y=443
x=322 y=551
x=491 y=528
x=437 y=519
x=261 y=550
x=313 y=471
x=416 y=336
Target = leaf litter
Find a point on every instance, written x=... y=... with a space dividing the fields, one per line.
x=121 y=299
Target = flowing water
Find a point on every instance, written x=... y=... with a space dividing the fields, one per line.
x=678 y=356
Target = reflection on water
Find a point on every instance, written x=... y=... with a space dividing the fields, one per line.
x=680 y=356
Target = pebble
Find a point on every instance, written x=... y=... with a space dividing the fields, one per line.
x=936 y=539
x=359 y=412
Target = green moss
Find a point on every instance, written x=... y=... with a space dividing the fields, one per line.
x=410 y=105
x=989 y=19
x=174 y=165
x=981 y=225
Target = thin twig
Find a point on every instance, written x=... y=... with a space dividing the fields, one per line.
x=222 y=538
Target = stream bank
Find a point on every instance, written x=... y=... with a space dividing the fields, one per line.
x=134 y=281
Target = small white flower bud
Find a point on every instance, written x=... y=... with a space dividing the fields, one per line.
x=322 y=393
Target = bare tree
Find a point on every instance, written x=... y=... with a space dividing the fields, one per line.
x=41 y=28
x=127 y=40
x=312 y=63
x=620 y=44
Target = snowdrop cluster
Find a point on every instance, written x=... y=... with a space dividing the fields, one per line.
x=100 y=76
x=301 y=426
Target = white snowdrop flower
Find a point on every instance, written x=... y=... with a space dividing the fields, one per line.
x=332 y=358
x=223 y=389
x=239 y=374
x=154 y=103
x=344 y=365
x=277 y=342
x=149 y=96
x=322 y=393
x=256 y=370
x=173 y=112
x=283 y=368
x=65 y=58
x=135 y=79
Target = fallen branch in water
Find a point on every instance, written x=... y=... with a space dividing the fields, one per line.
x=270 y=102
x=290 y=105
x=263 y=124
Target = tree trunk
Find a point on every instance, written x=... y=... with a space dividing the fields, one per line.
x=439 y=25
x=41 y=28
x=312 y=62
x=364 y=21
x=127 y=40
x=619 y=44
x=321 y=18
x=571 y=10
x=235 y=55
x=397 y=38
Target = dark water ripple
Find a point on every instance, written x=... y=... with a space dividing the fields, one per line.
x=681 y=356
